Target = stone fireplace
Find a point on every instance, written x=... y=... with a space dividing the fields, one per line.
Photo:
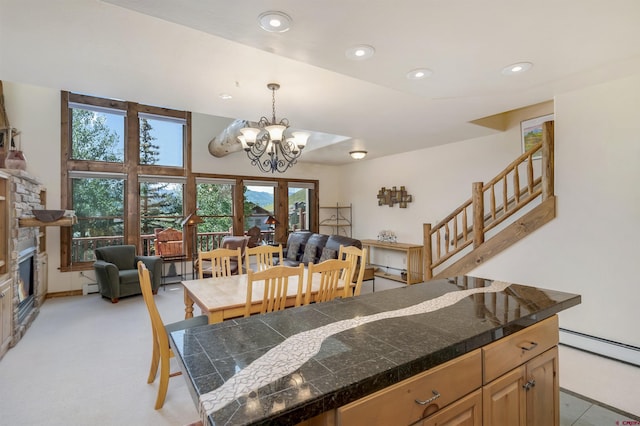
x=24 y=196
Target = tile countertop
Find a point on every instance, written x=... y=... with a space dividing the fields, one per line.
x=359 y=360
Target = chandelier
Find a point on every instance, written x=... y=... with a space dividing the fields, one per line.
x=266 y=146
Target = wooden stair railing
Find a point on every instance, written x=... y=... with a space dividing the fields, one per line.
x=454 y=233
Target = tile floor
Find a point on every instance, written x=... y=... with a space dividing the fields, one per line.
x=576 y=410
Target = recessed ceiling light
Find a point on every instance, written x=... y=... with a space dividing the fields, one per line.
x=225 y=96
x=419 y=73
x=517 y=68
x=360 y=52
x=358 y=155
x=274 y=21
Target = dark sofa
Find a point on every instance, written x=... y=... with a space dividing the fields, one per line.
x=306 y=246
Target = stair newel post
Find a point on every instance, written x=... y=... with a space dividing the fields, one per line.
x=547 y=160
x=426 y=232
x=478 y=214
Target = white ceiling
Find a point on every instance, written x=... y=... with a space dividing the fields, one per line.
x=466 y=43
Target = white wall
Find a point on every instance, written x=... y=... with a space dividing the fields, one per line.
x=591 y=248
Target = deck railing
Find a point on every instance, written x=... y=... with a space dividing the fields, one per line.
x=82 y=248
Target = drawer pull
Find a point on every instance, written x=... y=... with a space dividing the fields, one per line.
x=435 y=396
x=532 y=346
x=531 y=383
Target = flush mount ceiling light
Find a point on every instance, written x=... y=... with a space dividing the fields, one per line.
x=360 y=52
x=266 y=146
x=419 y=73
x=358 y=155
x=517 y=68
x=274 y=21
x=225 y=96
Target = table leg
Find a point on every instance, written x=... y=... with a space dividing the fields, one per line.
x=188 y=305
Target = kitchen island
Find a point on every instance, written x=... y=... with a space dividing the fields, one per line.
x=331 y=362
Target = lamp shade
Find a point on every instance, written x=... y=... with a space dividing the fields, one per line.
x=271 y=221
x=192 y=219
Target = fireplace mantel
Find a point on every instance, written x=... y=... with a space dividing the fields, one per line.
x=28 y=221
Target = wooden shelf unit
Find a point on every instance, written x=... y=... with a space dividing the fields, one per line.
x=413 y=252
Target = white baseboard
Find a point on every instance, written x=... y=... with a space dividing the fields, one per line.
x=607 y=348
x=89 y=288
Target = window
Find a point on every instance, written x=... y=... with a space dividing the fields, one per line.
x=300 y=196
x=161 y=206
x=97 y=133
x=98 y=201
x=117 y=156
x=161 y=140
x=214 y=201
x=259 y=201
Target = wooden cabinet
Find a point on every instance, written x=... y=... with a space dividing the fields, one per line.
x=419 y=398
x=6 y=315
x=4 y=225
x=513 y=381
x=521 y=378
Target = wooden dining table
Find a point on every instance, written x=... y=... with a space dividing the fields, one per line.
x=222 y=298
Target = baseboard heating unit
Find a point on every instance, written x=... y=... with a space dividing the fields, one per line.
x=89 y=288
x=603 y=347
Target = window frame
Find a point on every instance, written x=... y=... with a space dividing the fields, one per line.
x=129 y=167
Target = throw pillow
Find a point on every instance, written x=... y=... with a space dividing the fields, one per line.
x=292 y=250
x=327 y=254
x=310 y=254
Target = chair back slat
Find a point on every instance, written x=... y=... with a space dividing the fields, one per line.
x=329 y=274
x=220 y=260
x=276 y=286
x=357 y=258
x=264 y=255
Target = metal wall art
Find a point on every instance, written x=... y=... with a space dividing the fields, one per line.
x=391 y=196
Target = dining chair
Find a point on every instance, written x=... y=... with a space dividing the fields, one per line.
x=162 y=352
x=264 y=256
x=276 y=284
x=329 y=275
x=221 y=260
x=357 y=258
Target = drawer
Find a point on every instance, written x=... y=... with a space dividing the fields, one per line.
x=396 y=405
x=514 y=350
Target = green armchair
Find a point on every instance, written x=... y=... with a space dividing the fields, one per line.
x=117 y=272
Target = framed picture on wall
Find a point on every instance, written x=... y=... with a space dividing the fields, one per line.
x=531 y=131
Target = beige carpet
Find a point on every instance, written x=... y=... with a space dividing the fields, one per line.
x=85 y=361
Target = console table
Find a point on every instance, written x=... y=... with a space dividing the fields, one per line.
x=413 y=252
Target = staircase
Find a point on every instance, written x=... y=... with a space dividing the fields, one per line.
x=512 y=205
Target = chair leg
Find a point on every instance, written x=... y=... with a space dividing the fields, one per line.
x=155 y=358
x=164 y=381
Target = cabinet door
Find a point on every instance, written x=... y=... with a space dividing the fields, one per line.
x=503 y=400
x=543 y=394
x=6 y=315
x=465 y=412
